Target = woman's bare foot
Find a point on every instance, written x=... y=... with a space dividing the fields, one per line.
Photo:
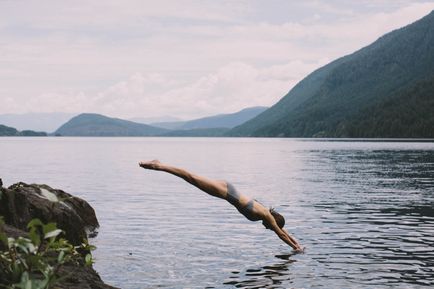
x=151 y=165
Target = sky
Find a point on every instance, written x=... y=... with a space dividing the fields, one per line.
x=183 y=58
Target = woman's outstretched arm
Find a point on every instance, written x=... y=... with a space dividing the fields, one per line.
x=282 y=234
x=213 y=187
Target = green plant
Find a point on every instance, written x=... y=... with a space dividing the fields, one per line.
x=33 y=262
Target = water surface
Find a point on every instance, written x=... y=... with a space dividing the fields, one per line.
x=363 y=209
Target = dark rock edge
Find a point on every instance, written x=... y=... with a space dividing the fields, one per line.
x=22 y=202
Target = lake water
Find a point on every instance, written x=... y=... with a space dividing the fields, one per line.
x=364 y=210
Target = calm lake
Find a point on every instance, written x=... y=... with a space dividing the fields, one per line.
x=364 y=210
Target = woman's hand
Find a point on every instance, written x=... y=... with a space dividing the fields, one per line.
x=150 y=165
x=300 y=250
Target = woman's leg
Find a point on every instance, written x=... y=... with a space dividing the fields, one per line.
x=215 y=188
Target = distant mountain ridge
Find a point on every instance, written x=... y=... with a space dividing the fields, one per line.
x=48 y=122
x=151 y=120
x=197 y=132
x=10 y=131
x=228 y=120
x=92 y=124
x=358 y=95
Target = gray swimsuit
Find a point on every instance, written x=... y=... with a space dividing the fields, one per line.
x=233 y=197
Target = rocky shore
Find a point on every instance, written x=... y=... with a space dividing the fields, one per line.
x=20 y=203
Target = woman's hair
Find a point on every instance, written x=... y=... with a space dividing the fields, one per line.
x=280 y=220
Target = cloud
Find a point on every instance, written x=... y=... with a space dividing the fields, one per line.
x=229 y=89
x=185 y=58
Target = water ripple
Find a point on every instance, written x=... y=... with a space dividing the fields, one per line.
x=363 y=209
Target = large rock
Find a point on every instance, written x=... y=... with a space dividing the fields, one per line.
x=80 y=277
x=21 y=203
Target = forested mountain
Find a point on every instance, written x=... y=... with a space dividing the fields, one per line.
x=7 y=131
x=382 y=90
x=228 y=120
x=90 y=124
x=197 y=132
x=406 y=113
x=10 y=131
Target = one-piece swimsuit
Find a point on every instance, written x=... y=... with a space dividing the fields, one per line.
x=233 y=197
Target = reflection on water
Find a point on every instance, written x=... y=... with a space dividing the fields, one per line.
x=385 y=228
x=390 y=246
x=269 y=276
x=363 y=210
